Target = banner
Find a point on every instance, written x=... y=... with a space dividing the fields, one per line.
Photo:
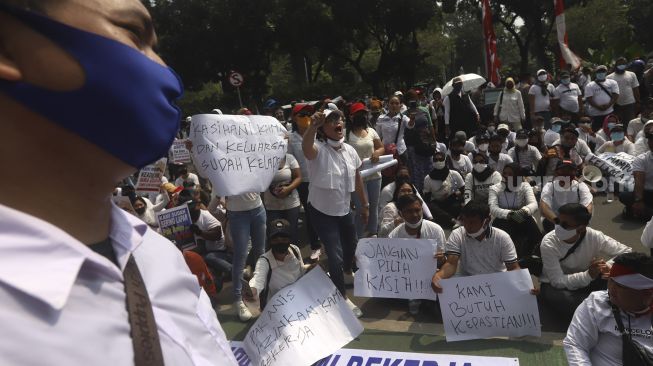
x=238 y=154
x=363 y=357
x=491 y=305
x=149 y=178
x=616 y=166
x=175 y=224
x=179 y=154
x=302 y=323
x=567 y=56
x=492 y=62
x=395 y=268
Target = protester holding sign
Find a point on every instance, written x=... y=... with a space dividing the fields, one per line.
x=613 y=327
x=571 y=257
x=86 y=100
x=476 y=246
x=333 y=168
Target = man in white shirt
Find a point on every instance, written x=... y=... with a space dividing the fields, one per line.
x=601 y=95
x=497 y=160
x=567 y=96
x=185 y=178
x=79 y=276
x=628 y=101
x=600 y=324
x=476 y=246
x=639 y=202
x=571 y=259
x=539 y=98
x=647 y=236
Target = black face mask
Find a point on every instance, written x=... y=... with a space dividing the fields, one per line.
x=194 y=215
x=360 y=120
x=280 y=248
x=140 y=211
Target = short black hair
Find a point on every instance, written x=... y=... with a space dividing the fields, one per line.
x=406 y=200
x=579 y=212
x=497 y=138
x=185 y=196
x=639 y=262
x=398 y=183
x=476 y=208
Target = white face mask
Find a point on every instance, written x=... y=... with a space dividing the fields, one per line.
x=483 y=147
x=335 y=143
x=542 y=78
x=438 y=165
x=414 y=226
x=479 y=232
x=479 y=167
x=564 y=234
x=521 y=142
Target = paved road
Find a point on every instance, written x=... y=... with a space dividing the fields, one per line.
x=389 y=326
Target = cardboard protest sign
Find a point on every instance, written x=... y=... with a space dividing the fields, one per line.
x=492 y=305
x=175 y=225
x=178 y=153
x=363 y=357
x=149 y=178
x=238 y=154
x=615 y=166
x=124 y=203
x=395 y=268
x=302 y=323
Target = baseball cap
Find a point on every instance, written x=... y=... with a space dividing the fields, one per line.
x=357 y=107
x=300 y=107
x=503 y=126
x=565 y=164
x=279 y=227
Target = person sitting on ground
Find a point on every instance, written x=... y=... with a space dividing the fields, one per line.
x=586 y=134
x=457 y=159
x=443 y=192
x=478 y=183
x=607 y=319
x=469 y=145
x=609 y=122
x=185 y=176
x=415 y=227
x=572 y=262
x=388 y=192
x=562 y=190
x=553 y=134
x=536 y=139
x=618 y=142
x=512 y=204
x=476 y=246
x=527 y=156
x=280 y=266
x=647 y=236
x=390 y=217
x=481 y=145
x=636 y=125
x=497 y=159
x=508 y=137
x=570 y=147
x=639 y=202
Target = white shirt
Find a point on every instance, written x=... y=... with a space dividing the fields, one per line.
x=593 y=337
x=243 y=202
x=282 y=176
x=512 y=107
x=56 y=292
x=556 y=196
x=627 y=82
x=647 y=235
x=179 y=182
x=600 y=97
x=489 y=255
x=284 y=273
x=442 y=189
x=428 y=230
x=475 y=189
x=502 y=201
x=333 y=178
x=573 y=273
x=587 y=138
x=463 y=165
x=386 y=197
x=644 y=163
x=635 y=125
x=364 y=147
x=206 y=222
x=526 y=159
x=568 y=96
x=386 y=128
x=295 y=149
x=626 y=147
x=550 y=137
x=542 y=102
x=504 y=159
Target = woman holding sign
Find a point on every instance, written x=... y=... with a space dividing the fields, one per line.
x=333 y=169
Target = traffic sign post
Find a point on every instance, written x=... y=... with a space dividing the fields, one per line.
x=236 y=79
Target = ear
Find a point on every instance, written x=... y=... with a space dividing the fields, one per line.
x=9 y=70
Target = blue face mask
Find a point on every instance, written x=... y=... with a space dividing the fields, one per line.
x=556 y=128
x=126 y=105
x=565 y=81
x=617 y=136
x=600 y=76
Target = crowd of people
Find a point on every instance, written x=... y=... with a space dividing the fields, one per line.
x=76 y=266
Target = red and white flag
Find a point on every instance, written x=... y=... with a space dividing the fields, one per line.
x=568 y=57
x=492 y=62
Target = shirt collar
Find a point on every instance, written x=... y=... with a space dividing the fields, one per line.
x=43 y=261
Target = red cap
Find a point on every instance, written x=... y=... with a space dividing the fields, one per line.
x=300 y=107
x=357 y=107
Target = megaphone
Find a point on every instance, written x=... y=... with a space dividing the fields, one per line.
x=592 y=174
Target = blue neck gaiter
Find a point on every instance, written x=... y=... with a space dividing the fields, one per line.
x=126 y=105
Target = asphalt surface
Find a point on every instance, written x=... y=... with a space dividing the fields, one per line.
x=389 y=326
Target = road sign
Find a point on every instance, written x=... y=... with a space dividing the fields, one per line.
x=236 y=79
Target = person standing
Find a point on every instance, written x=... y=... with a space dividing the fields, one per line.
x=333 y=167
x=460 y=113
x=568 y=97
x=601 y=95
x=281 y=199
x=510 y=107
x=420 y=140
x=539 y=98
x=628 y=103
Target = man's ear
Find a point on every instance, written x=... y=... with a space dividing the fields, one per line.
x=9 y=70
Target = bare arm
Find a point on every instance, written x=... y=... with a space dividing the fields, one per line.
x=547 y=212
x=448 y=270
x=308 y=142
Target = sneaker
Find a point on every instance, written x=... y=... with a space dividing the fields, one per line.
x=413 y=306
x=315 y=254
x=349 y=278
x=355 y=309
x=243 y=312
x=610 y=197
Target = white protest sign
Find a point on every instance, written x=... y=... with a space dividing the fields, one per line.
x=364 y=357
x=617 y=166
x=491 y=305
x=368 y=168
x=179 y=154
x=238 y=154
x=149 y=178
x=302 y=323
x=395 y=268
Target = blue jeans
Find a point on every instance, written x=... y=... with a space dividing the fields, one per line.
x=338 y=235
x=292 y=215
x=372 y=191
x=243 y=225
